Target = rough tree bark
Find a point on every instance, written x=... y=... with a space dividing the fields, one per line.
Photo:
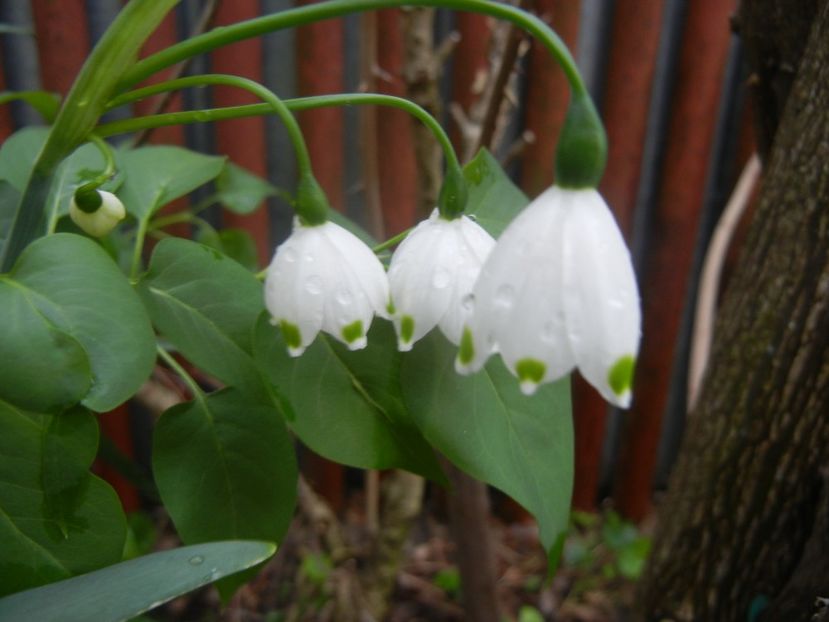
x=741 y=524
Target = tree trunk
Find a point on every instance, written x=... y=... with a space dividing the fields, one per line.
x=743 y=501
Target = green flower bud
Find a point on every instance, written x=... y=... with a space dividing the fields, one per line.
x=96 y=220
x=453 y=194
x=582 y=146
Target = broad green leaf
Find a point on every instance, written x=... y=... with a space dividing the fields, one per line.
x=9 y=196
x=241 y=191
x=46 y=103
x=18 y=153
x=43 y=367
x=125 y=590
x=347 y=405
x=488 y=428
x=226 y=469
x=235 y=243
x=71 y=282
x=206 y=305
x=493 y=199
x=56 y=519
x=156 y=175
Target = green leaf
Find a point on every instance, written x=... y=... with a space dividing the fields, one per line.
x=46 y=103
x=235 y=243
x=18 y=154
x=225 y=468
x=207 y=306
x=56 y=519
x=130 y=588
x=9 y=196
x=241 y=191
x=487 y=427
x=493 y=199
x=345 y=405
x=70 y=282
x=159 y=174
x=43 y=367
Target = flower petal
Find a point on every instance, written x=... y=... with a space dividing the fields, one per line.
x=473 y=246
x=517 y=305
x=601 y=299
x=420 y=280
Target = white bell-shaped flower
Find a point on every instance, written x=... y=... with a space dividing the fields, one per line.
x=324 y=278
x=431 y=277
x=103 y=218
x=558 y=291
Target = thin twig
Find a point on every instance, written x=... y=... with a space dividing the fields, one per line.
x=497 y=95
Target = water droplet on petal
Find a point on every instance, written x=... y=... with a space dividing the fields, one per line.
x=344 y=297
x=441 y=278
x=196 y=560
x=468 y=302
x=313 y=285
x=549 y=332
x=289 y=255
x=615 y=303
x=308 y=258
x=505 y=296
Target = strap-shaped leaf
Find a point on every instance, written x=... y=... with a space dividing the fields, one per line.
x=125 y=590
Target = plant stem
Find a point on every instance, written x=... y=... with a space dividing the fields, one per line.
x=297 y=105
x=393 y=241
x=109 y=165
x=140 y=234
x=274 y=104
x=337 y=8
x=194 y=387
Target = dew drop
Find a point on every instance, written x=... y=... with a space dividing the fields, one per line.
x=549 y=332
x=290 y=255
x=615 y=303
x=441 y=278
x=308 y=258
x=344 y=297
x=313 y=285
x=468 y=302
x=505 y=296
x=196 y=560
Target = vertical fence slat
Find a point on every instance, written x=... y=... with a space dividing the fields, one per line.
x=667 y=263
x=469 y=62
x=6 y=125
x=320 y=70
x=634 y=40
x=62 y=41
x=115 y=425
x=397 y=163
x=546 y=97
x=242 y=140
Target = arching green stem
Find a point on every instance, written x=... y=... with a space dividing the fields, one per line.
x=311 y=203
x=582 y=149
x=337 y=8
x=273 y=103
x=109 y=166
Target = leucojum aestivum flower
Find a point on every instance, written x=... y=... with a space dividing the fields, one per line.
x=557 y=292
